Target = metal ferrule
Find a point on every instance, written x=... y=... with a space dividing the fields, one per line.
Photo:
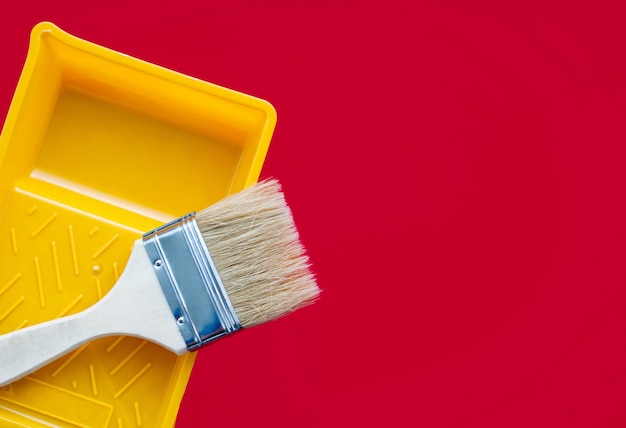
x=190 y=282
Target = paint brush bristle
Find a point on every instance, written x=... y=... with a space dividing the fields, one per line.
x=256 y=249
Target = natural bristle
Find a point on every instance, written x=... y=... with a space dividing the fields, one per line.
x=256 y=249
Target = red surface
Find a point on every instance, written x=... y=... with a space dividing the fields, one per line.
x=458 y=173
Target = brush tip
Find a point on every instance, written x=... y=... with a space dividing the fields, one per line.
x=256 y=248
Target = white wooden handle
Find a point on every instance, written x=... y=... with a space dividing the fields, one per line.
x=135 y=306
x=26 y=350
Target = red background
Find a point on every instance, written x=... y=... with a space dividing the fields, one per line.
x=457 y=172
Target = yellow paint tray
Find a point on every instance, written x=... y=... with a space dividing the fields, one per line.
x=97 y=148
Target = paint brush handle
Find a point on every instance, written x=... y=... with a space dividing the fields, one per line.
x=135 y=306
x=26 y=350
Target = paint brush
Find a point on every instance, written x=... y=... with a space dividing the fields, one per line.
x=236 y=264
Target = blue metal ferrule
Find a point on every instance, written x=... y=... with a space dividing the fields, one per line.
x=190 y=282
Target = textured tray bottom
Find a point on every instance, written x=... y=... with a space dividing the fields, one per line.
x=59 y=260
